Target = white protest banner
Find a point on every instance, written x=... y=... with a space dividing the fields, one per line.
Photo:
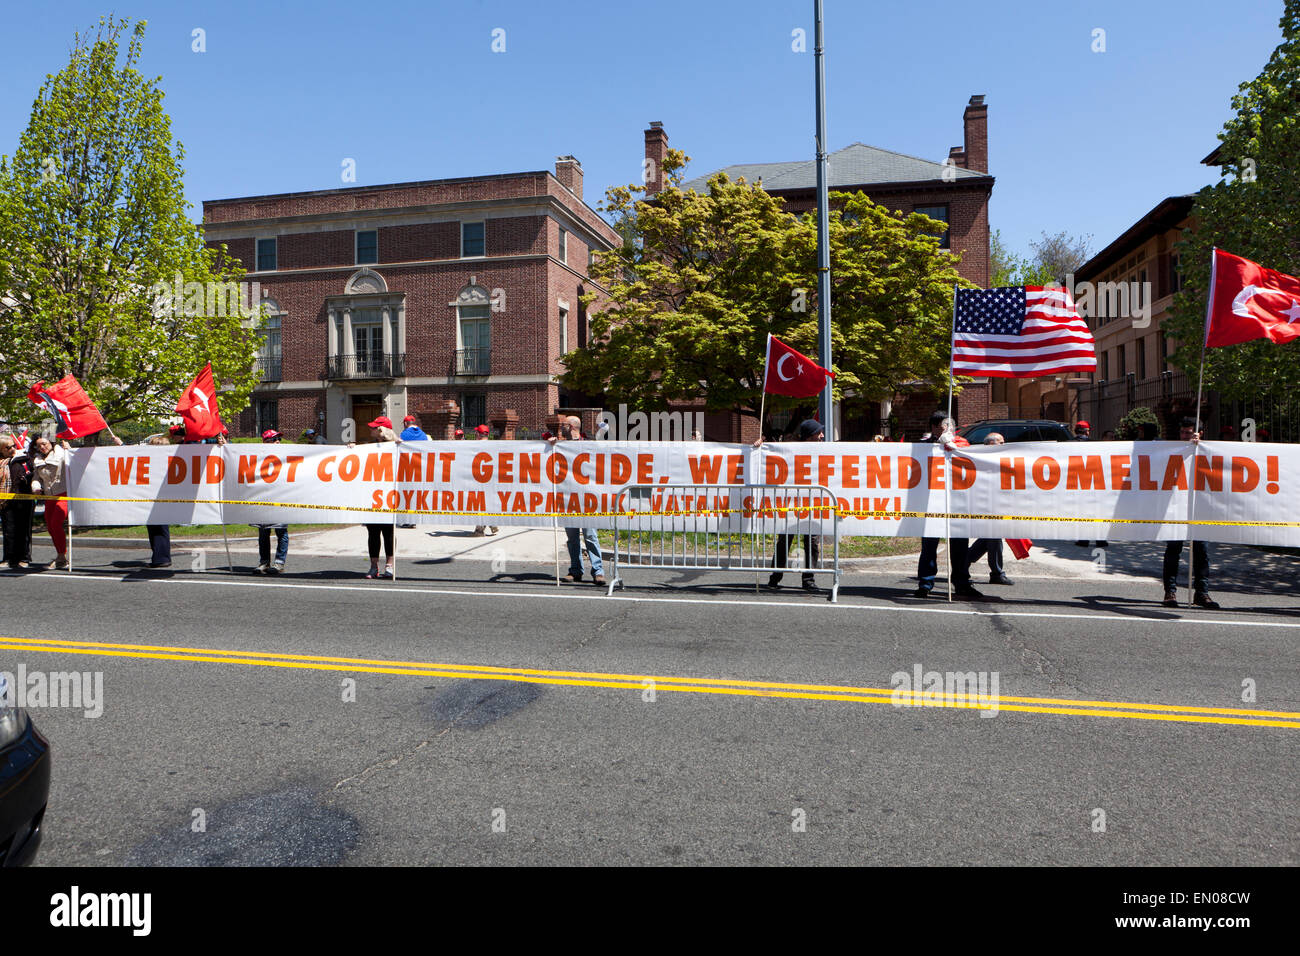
x=1232 y=491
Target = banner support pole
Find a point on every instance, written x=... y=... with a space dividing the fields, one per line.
x=947 y=497
x=1200 y=384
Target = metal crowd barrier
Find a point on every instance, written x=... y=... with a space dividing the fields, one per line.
x=726 y=528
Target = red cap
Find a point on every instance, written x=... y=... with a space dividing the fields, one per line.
x=270 y=435
x=481 y=429
x=383 y=421
x=408 y=418
x=459 y=433
x=1083 y=425
x=177 y=429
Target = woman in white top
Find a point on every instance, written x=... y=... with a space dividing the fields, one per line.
x=50 y=464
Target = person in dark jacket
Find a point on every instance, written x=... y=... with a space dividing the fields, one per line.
x=16 y=513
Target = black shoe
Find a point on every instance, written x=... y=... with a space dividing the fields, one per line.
x=921 y=593
x=811 y=587
x=1081 y=544
x=1171 y=598
x=774 y=583
x=160 y=564
x=1201 y=599
x=1000 y=579
x=968 y=593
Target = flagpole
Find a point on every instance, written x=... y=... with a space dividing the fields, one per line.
x=762 y=409
x=947 y=498
x=1200 y=383
x=221 y=505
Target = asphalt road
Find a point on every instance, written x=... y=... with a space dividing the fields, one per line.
x=499 y=719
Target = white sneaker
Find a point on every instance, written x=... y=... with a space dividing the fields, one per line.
x=263 y=568
x=277 y=567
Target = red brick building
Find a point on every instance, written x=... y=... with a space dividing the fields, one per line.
x=956 y=191
x=449 y=299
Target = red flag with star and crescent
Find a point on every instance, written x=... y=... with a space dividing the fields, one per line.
x=198 y=406
x=788 y=372
x=75 y=415
x=1248 y=301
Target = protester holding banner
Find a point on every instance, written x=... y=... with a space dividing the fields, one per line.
x=264 y=565
x=17 y=513
x=942 y=431
x=160 y=535
x=1200 y=551
x=993 y=546
x=577 y=538
x=381 y=430
x=49 y=466
x=809 y=430
x=482 y=433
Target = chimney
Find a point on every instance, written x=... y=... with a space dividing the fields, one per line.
x=958 y=157
x=569 y=172
x=976 y=122
x=656 y=151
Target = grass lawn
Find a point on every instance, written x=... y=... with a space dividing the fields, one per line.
x=195 y=531
x=686 y=541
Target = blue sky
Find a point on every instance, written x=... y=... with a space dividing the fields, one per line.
x=1078 y=140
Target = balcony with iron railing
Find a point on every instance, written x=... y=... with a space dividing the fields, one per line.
x=476 y=361
x=268 y=369
x=366 y=365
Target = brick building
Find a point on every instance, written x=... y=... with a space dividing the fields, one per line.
x=956 y=191
x=450 y=299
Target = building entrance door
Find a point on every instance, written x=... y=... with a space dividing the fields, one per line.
x=366 y=408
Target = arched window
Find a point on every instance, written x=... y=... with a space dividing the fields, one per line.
x=473 y=330
x=269 y=353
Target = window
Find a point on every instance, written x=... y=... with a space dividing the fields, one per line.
x=266 y=255
x=368 y=340
x=269 y=354
x=475 y=341
x=471 y=240
x=1175 y=275
x=268 y=416
x=940 y=213
x=1121 y=367
x=1105 y=367
x=564 y=331
x=367 y=246
x=564 y=246
x=1141 y=358
x=473 y=410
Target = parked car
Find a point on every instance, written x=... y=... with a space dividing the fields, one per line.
x=24 y=783
x=1016 y=429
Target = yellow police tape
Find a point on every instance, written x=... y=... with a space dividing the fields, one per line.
x=703 y=512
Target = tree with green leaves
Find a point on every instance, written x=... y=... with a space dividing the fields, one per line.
x=1054 y=258
x=1250 y=212
x=93 y=226
x=691 y=299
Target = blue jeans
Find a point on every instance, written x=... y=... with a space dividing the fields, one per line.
x=281 y=542
x=575 y=551
x=993 y=548
x=928 y=565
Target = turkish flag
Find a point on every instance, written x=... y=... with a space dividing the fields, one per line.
x=1248 y=302
x=198 y=406
x=74 y=413
x=787 y=372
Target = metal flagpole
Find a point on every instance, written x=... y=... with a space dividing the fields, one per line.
x=762 y=409
x=1200 y=382
x=221 y=506
x=399 y=503
x=947 y=496
x=826 y=402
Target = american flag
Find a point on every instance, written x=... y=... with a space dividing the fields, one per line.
x=1019 y=332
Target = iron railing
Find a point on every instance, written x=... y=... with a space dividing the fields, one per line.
x=367 y=365
x=476 y=361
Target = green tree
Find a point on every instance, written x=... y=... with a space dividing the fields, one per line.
x=1250 y=212
x=1054 y=257
x=92 y=218
x=691 y=300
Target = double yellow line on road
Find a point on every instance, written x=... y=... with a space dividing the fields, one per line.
x=641 y=682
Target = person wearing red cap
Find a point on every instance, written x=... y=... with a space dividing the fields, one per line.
x=483 y=433
x=412 y=431
x=381 y=430
x=1083 y=431
x=265 y=565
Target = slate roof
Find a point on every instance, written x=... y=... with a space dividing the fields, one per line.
x=855 y=165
